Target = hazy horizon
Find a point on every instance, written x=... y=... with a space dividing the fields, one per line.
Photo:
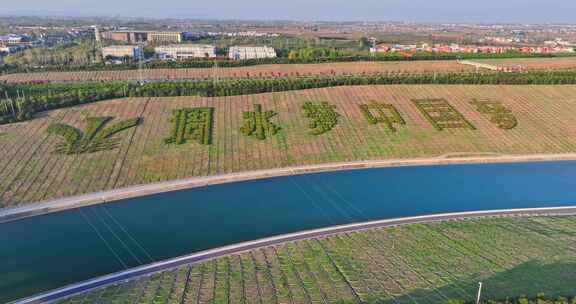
x=488 y=11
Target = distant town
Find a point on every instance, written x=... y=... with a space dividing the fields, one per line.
x=117 y=42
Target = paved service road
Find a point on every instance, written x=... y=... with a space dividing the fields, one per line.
x=241 y=247
x=38 y=208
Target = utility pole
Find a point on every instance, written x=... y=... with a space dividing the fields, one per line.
x=141 y=63
x=12 y=106
x=97 y=43
x=215 y=74
x=479 y=292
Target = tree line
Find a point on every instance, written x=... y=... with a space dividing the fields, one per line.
x=297 y=56
x=21 y=101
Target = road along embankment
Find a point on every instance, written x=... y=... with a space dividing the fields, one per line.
x=317 y=233
x=45 y=207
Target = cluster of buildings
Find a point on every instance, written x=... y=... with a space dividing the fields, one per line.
x=559 y=42
x=168 y=45
x=12 y=43
x=142 y=36
x=122 y=51
x=185 y=51
x=14 y=39
x=158 y=37
x=244 y=53
x=188 y=51
x=471 y=49
x=243 y=34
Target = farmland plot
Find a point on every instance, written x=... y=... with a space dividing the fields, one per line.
x=546 y=64
x=260 y=71
x=226 y=140
x=421 y=263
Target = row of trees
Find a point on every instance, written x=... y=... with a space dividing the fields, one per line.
x=35 y=98
x=296 y=56
x=81 y=52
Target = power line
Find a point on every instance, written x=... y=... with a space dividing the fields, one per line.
x=128 y=234
x=102 y=238
x=339 y=196
x=318 y=188
x=322 y=211
x=118 y=238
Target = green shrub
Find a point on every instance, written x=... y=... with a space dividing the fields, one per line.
x=95 y=137
x=387 y=114
x=498 y=113
x=323 y=116
x=191 y=124
x=442 y=115
x=257 y=123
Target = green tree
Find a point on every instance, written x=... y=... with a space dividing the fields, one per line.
x=323 y=116
x=257 y=123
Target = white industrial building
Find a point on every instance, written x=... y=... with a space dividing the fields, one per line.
x=185 y=51
x=13 y=39
x=119 y=51
x=8 y=49
x=250 y=52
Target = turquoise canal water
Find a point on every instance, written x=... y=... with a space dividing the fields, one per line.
x=50 y=251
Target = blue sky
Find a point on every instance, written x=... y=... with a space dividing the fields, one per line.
x=535 y=11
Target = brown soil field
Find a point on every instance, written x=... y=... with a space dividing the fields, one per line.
x=561 y=63
x=30 y=171
x=259 y=71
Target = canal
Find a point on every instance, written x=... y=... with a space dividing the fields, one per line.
x=50 y=251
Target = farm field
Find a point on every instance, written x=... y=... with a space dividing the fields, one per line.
x=530 y=64
x=259 y=71
x=422 y=263
x=241 y=133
